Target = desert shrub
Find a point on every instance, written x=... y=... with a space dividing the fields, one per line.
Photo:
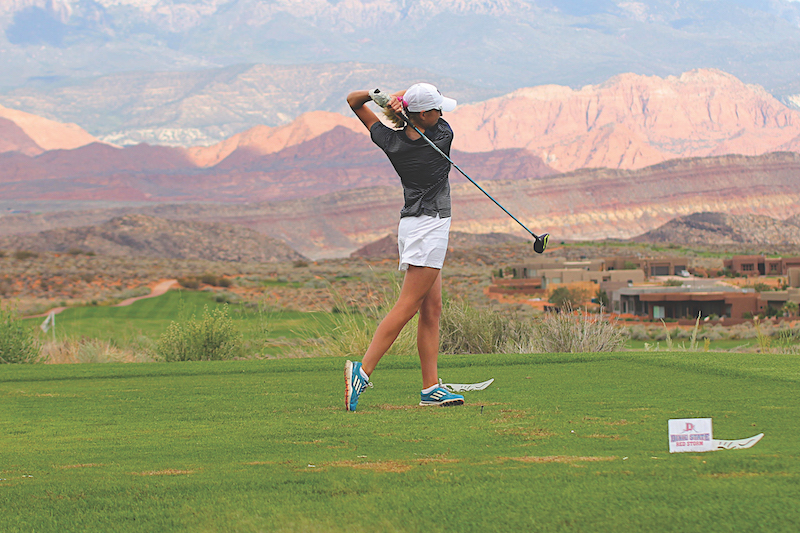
x=21 y=255
x=571 y=332
x=142 y=290
x=17 y=341
x=84 y=350
x=353 y=328
x=5 y=286
x=680 y=333
x=225 y=297
x=215 y=281
x=88 y=350
x=710 y=335
x=465 y=329
x=571 y=297
x=189 y=283
x=214 y=337
x=638 y=333
x=315 y=284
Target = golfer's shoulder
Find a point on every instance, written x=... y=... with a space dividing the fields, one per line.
x=444 y=126
x=382 y=134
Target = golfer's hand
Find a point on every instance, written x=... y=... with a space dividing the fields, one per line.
x=396 y=104
x=380 y=98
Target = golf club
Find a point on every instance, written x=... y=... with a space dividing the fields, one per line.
x=539 y=242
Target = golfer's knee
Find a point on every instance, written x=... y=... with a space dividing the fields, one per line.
x=431 y=311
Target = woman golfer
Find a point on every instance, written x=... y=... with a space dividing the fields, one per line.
x=422 y=234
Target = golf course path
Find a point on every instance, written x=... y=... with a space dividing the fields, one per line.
x=54 y=310
x=158 y=290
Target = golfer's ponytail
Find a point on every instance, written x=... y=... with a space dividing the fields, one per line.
x=396 y=119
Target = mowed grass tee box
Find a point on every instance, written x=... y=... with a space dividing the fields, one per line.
x=558 y=443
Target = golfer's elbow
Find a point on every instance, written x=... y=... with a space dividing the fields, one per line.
x=357 y=99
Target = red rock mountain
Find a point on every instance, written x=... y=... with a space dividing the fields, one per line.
x=14 y=139
x=47 y=134
x=336 y=160
x=628 y=122
x=632 y=121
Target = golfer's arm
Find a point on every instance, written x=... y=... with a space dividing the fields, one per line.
x=357 y=99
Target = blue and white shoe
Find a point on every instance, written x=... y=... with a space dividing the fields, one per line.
x=354 y=384
x=440 y=396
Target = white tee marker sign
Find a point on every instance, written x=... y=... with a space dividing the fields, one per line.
x=696 y=435
x=690 y=435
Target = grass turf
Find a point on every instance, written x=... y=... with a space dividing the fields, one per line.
x=557 y=443
x=151 y=317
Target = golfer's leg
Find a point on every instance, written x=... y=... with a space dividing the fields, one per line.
x=428 y=333
x=417 y=282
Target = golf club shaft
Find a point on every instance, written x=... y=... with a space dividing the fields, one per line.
x=470 y=179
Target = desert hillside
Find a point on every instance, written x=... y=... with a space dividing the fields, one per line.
x=145 y=236
x=725 y=229
x=586 y=204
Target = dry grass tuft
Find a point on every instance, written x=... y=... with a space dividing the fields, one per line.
x=600 y=436
x=566 y=459
x=73 y=351
x=574 y=332
x=376 y=466
x=170 y=472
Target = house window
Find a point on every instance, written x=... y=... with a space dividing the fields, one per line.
x=773 y=267
x=747 y=267
x=658 y=311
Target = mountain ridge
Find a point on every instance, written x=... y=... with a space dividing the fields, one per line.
x=587 y=204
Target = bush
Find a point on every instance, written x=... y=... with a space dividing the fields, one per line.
x=213 y=338
x=17 y=341
x=22 y=255
x=353 y=329
x=189 y=283
x=569 y=332
x=466 y=330
x=566 y=297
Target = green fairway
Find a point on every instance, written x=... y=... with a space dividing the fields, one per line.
x=151 y=317
x=557 y=443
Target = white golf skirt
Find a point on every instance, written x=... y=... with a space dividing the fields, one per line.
x=422 y=241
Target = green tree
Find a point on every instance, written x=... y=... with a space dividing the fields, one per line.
x=602 y=298
x=790 y=308
x=565 y=296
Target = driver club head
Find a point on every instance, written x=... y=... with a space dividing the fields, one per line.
x=540 y=243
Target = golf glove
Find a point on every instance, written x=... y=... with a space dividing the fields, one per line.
x=382 y=99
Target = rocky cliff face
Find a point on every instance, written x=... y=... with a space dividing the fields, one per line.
x=632 y=121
